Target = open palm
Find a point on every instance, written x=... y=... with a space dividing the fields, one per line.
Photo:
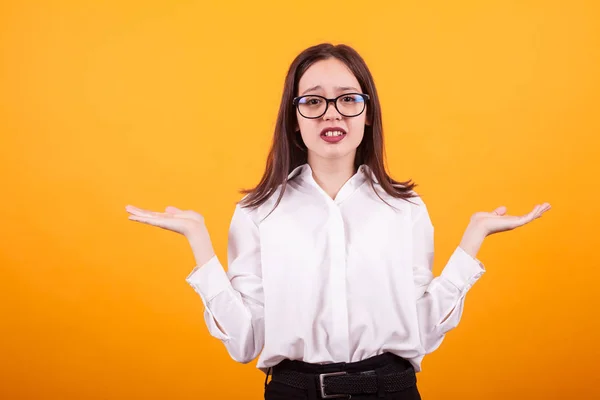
x=497 y=220
x=173 y=219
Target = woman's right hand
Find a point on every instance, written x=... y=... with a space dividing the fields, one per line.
x=173 y=219
x=186 y=222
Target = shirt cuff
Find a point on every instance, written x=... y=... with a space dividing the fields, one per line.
x=463 y=270
x=209 y=279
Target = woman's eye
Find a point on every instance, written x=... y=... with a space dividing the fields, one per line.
x=348 y=99
x=313 y=101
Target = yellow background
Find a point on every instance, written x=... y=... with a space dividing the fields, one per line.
x=156 y=103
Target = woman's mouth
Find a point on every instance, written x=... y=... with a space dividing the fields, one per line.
x=333 y=136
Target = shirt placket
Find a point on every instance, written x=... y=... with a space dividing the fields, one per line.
x=337 y=272
x=337 y=279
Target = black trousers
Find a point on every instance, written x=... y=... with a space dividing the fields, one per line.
x=280 y=391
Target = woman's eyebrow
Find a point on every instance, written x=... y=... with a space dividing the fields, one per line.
x=338 y=88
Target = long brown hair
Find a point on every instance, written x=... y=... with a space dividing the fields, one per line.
x=288 y=150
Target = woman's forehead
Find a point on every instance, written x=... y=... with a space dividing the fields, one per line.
x=329 y=75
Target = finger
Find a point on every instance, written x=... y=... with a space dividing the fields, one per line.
x=540 y=211
x=172 y=210
x=139 y=219
x=150 y=221
x=133 y=208
x=500 y=210
x=524 y=219
x=137 y=210
x=537 y=212
x=149 y=213
x=543 y=208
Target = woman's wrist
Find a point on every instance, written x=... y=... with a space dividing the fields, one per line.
x=201 y=247
x=472 y=239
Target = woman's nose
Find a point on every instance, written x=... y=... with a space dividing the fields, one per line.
x=332 y=112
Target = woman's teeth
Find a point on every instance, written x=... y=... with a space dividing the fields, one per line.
x=333 y=133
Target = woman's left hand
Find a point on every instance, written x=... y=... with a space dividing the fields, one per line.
x=497 y=220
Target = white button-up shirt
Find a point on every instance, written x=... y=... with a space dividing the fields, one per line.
x=332 y=280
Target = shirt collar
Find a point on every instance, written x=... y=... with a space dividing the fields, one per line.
x=302 y=170
x=305 y=171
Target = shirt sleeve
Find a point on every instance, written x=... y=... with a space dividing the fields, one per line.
x=440 y=300
x=234 y=300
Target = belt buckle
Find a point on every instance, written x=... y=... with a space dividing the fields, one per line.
x=322 y=385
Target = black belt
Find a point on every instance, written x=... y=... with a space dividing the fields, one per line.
x=342 y=384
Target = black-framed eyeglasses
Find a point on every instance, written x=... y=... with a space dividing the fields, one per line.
x=314 y=106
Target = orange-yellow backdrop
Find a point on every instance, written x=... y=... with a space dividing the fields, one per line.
x=156 y=103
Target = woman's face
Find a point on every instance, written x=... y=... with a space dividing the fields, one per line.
x=330 y=78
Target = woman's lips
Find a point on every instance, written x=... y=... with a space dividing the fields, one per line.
x=333 y=139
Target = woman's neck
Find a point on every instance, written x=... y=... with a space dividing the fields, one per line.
x=332 y=174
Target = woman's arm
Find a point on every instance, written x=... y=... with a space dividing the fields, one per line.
x=234 y=299
x=440 y=300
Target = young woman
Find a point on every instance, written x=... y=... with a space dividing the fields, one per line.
x=330 y=260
